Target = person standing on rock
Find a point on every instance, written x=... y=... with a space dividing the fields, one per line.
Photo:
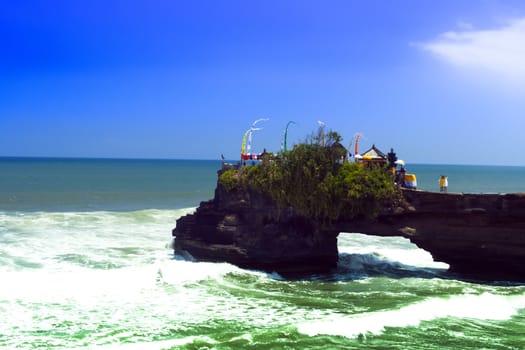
x=443 y=183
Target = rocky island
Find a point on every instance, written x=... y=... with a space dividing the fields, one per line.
x=278 y=221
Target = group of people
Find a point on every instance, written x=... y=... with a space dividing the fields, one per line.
x=408 y=181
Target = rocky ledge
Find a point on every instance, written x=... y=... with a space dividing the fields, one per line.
x=245 y=228
x=478 y=235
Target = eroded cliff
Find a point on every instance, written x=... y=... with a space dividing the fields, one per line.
x=246 y=228
x=480 y=236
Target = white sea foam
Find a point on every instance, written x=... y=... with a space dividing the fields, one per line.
x=395 y=249
x=88 y=286
x=486 y=306
x=153 y=345
x=181 y=272
x=148 y=298
x=111 y=276
x=90 y=239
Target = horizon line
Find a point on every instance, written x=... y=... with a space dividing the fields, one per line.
x=208 y=159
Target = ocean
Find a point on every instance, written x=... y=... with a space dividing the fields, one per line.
x=86 y=262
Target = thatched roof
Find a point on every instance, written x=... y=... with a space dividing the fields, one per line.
x=374 y=153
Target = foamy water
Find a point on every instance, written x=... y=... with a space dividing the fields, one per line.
x=96 y=278
x=109 y=280
x=485 y=306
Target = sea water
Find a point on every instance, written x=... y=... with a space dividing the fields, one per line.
x=86 y=262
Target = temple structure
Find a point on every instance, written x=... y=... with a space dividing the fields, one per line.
x=371 y=156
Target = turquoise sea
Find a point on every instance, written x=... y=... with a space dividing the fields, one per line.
x=86 y=263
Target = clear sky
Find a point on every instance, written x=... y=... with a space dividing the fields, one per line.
x=439 y=81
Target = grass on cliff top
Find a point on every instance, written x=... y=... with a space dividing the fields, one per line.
x=312 y=179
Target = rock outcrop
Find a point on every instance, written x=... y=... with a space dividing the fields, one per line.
x=478 y=235
x=245 y=228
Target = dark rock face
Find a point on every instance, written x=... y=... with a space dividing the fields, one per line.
x=245 y=228
x=480 y=236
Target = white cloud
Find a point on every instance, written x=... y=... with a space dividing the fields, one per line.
x=499 y=52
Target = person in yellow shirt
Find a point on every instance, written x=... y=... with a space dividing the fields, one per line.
x=443 y=183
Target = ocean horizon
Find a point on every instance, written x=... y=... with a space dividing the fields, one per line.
x=216 y=159
x=41 y=183
x=86 y=262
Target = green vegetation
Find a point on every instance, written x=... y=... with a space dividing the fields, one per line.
x=230 y=179
x=313 y=179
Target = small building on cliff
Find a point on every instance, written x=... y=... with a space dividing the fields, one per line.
x=339 y=152
x=371 y=157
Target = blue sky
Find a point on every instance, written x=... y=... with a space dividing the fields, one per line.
x=439 y=81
